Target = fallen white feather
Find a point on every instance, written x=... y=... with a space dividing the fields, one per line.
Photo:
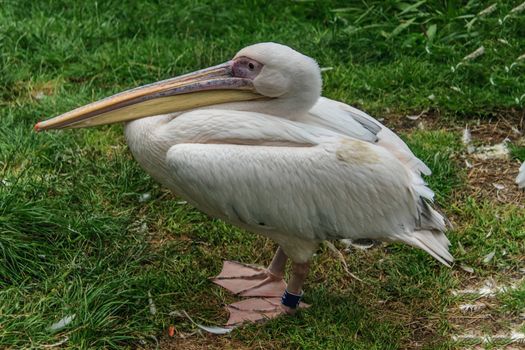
x=64 y=321
x=210 y=329
x=498 y=151
x=467 y=136
x=513 y=337
x=517 y=337
x=471 y=307
x=152 y=307
x=473 y=55
x=498 y=186
x=466 y=268
x=214 y=329
x=489 y=289
x=40 y=95
x=489 y=257
x=144 y=197
x=139 y=227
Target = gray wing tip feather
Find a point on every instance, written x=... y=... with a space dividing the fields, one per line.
x=368 y=124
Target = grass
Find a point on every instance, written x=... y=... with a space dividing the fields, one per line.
x=517 y=152
x=75 y=238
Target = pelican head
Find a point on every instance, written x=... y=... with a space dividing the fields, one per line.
x=263 y=77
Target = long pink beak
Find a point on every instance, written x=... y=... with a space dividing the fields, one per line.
x=210 y=86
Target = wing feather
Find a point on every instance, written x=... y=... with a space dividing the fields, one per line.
x=338 y=187
x=353 y=122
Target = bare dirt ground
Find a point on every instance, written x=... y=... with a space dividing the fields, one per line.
x=490 y=175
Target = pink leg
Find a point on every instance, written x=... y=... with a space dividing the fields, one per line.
x=262 y=309
x=278 y=263
x=299 y=274
x=295 y=286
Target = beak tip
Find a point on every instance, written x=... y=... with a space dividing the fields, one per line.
x=37 y=127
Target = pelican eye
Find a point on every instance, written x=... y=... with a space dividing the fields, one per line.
x=244 y=67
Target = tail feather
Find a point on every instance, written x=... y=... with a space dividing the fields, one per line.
x=420 y=187
x=429 y=234
x=419 y=167
x=431 y=219
x=434 y=243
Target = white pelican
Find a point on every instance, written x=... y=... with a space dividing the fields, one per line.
x=520 y=179
x=251 y=141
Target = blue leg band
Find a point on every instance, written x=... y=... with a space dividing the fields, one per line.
x=291 y=300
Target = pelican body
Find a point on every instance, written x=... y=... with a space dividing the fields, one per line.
x=252 y=142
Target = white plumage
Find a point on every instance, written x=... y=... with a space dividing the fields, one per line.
x=520 y=179
x=353 y=122
x=290 y=180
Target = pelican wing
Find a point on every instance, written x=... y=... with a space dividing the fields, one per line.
x=353 y=122
x=276 y=176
